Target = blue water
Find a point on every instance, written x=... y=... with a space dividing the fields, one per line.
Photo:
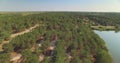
x=112 y=40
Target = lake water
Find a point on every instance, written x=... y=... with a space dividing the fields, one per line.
x=112 y=40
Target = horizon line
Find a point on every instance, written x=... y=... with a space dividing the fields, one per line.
x=64 y=11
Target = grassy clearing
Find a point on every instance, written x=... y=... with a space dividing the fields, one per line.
x=99 y=27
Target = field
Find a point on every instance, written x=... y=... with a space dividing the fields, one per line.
x=103 y=27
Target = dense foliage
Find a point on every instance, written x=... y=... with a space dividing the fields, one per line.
x=100 y=18
x=73 y=40
x=13 y=23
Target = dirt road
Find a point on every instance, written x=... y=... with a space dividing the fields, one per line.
x=16 y=34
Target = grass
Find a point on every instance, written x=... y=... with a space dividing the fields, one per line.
x=100 y=27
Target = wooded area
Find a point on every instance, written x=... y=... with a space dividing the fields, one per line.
x=60 y=38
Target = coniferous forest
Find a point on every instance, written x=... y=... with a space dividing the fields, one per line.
x=56 y=37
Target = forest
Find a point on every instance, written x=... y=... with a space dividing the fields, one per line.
x=101 y=20
x=61 y=37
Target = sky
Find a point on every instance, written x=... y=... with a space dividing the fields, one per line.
x=61 y=5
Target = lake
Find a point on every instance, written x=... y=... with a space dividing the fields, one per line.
x=112 y=40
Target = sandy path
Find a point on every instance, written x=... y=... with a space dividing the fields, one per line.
x=16 y=34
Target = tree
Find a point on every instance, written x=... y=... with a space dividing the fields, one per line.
x=86 y=60
x=4 y=58
x=46 y=60
x=76 y=60
x=4 y=35
x=103 y=57
x=29 y=56
x=8 y=48
x=31 y=59
x=59 y=53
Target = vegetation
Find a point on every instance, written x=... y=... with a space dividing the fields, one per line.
x=4 y=58
x=108 y=21
x=64 y=38
x=98 y=27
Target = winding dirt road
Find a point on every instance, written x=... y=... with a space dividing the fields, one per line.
x=16 y=34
